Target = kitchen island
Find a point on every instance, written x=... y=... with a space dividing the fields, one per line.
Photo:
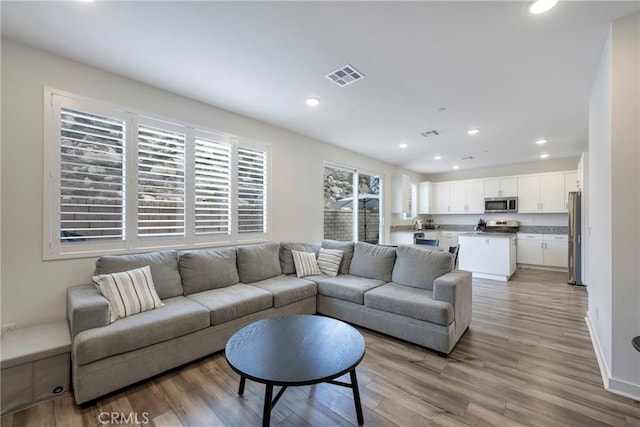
x=488 y=255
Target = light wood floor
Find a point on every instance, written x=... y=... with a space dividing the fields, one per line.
x=526 y=360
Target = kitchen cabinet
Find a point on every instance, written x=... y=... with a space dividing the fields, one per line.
x=448 y=239
x=402 y=237
x=570 y=184
x=425 y=198
x=541 y=193
x=501 y=187
x=549 y=250
x=556 y=250
x=490 y=257
x=400 y=194
x=463 y=197
x=441 y=197
x=530 y=249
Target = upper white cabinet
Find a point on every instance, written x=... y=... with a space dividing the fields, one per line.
x=459 y=197
x=537 y=193
x=541 y=193
x=570 y=184
x=441 y=197
x=425 y=198
x=475 y=196
x=501 y=187
x=400 y=195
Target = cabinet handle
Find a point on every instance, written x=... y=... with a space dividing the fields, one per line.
x=541 y=245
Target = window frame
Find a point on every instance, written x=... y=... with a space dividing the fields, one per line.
x=53 y=248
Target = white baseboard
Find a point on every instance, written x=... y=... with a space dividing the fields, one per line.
x=613 y=385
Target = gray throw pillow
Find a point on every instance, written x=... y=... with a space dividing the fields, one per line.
x=258 y=262
x=286 y=258
x=372 y=261
x=420 y=267
x=346 y=248
x=203 y=270
x=163 y=265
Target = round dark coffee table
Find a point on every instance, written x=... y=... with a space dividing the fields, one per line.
x=296 y=350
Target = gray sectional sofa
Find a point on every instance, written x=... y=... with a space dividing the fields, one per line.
x=407 y=292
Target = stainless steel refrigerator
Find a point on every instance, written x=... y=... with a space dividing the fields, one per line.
x=575 y=238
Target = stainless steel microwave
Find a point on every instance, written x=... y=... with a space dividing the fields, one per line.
x=501 y=205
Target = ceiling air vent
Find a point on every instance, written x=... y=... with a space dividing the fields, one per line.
x=344 y=76
x=429 y=133
x=466 y=158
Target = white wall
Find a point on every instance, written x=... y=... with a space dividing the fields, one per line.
x=33 y=291
x=542 y=166
x=613 y=208
x=625 y=198
x=599 y=202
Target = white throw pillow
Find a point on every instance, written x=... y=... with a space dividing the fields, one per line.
x=128 y=292
x=329 y=261
x=305 y=263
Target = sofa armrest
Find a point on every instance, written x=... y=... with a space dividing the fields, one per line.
x=455 y=288
x=86 y=309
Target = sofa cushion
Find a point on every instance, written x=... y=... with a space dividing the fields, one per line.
x=372 y=261
x=203 y=270
x=287 y=289
x=346 y=247
x=128 y=292
x=177 y=317
x=411 y=302
x=233 y=302
x=258 y=262
x=329 y=261
x=164 y=269
x=345 y=287
x=286 y=258
x=419 y=267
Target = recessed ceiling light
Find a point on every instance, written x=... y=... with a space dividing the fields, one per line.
x=404 y=145
x=544 y=156
x=313 y=101
x=473 y=131
x=541 y=141
x=456 y=167
x=541 y=6
x=437 y=157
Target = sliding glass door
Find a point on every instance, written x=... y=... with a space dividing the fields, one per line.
x=352 y=201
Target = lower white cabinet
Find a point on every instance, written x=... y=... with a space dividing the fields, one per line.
x=550 y=250
x=402 y=237
x=448 y=239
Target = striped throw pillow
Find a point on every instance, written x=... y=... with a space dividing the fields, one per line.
x=329 y=261
x=305 y=263
x=128 y=292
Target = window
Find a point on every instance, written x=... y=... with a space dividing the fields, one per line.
x=413 y=205
x=121 y=181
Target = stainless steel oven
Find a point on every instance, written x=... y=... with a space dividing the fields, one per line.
x=501 y=205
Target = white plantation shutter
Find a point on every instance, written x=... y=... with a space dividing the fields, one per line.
x=252 y=190
x=161 y=182
x=92 y=177
x=212 y=176
x=118 y=181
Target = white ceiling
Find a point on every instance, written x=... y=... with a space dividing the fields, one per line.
x=515 y=76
